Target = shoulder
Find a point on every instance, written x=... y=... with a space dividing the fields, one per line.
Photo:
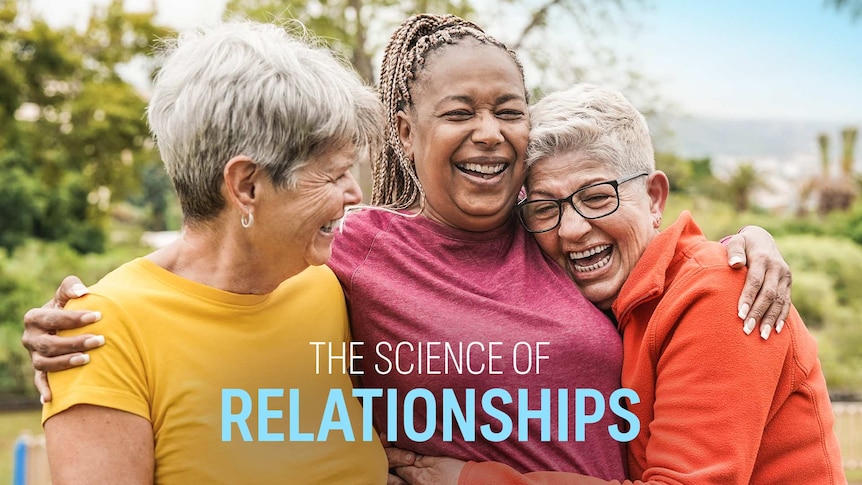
x=357 y=236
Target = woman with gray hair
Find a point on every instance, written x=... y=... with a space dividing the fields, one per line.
x=594 y=203
x=258 y=131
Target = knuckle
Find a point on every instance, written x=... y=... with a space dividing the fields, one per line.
x=770 y=294
x=755 y=281
x=43 y=347
x=40 y=363
x=30 y=316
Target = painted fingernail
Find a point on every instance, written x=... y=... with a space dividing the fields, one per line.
x=91 y=317
x=779 y=326
x=764 y=331
x=79 y=290
x=743 y=310
x=79 y=359
x=42 y=400
x=734 y=260
x=749 y=326
x=95 y=341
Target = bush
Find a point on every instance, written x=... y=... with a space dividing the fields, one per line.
x=28 y=277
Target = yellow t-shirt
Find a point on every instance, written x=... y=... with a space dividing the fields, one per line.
x=173 y=346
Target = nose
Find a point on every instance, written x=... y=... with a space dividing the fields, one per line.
x=487 y=131
x=573 y=226
x=353 y=194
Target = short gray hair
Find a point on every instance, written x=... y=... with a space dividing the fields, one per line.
x=253 y=89
x=598 y=122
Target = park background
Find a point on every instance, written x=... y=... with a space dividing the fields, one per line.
x=754 y=107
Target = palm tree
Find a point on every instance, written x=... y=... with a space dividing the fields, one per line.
x=742 y=184
x=848 y=135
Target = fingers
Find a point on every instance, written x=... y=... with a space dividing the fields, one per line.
x=765 y=300
x=43 y=320
x=69 y=289
x=394 y=480
x=736 y=251
x=48 y=345
x=412 y=475
x=41 y=381
x=398 y=457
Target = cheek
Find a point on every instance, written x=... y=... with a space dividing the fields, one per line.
x=549 y=243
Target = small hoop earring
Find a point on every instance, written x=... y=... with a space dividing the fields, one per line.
x=657 y=222
x=246 y=220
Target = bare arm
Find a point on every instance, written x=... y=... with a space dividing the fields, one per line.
x=95 y=444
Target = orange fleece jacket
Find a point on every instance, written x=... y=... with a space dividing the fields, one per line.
x=716 y=406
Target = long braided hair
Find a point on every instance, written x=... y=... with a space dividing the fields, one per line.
x=395 y=183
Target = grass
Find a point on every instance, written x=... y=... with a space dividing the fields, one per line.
x=11 y=425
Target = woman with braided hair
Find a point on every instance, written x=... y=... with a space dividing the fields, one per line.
x=447 y=293
x=460 y=269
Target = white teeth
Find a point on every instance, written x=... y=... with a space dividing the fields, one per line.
x=483 y=169
x=327 y=228
x=588 y=252
x=584 y=269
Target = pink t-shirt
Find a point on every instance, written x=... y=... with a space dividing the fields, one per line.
x=494 y=297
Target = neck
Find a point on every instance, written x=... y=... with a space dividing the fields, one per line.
x=222 y=256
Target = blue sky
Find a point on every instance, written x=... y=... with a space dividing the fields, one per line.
x=748 y=59
x=762 y=59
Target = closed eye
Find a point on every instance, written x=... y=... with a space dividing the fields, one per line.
x=510 y=114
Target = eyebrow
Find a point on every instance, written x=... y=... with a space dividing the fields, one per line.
x=463 y=98
x=547 y=195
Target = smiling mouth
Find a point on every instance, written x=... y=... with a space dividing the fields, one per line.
x=591 y=259
x=482 y=171
x=329 y=226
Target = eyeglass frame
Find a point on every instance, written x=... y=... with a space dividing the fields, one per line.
x=570 y=199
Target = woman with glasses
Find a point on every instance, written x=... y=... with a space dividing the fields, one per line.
x=595 y=202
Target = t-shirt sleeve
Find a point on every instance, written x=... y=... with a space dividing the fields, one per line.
x=116 y=375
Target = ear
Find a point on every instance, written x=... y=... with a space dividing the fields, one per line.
x=241 y=177
x=405 y=131
x=658 y=188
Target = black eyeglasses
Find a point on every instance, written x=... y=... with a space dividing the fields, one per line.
x=591 y=202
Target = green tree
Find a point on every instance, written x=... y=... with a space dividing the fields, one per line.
x=358 y=29
x=347 y=24
x=742 y=184
x=73 y=134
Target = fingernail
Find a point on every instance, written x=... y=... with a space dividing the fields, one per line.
x=42 y=400
x=734 y=260
x=79 y=290
x=95 y=341
x=749 y=326
x=764 y=331
x=743 y=310
x=80 y=359
x=779 y=326
x=91 y=317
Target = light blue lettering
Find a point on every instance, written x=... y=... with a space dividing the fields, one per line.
x=227 y=417
x=490 y=410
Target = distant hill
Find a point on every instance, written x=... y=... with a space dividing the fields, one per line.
x=701 y=137
x=785 y=151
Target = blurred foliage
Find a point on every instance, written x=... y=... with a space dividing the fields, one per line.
x=852 y=7
x=583 y=33
x=72 y=131
x=29 y=276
